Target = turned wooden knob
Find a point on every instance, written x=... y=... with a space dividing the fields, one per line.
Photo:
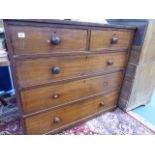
x=55 y=96
x=56 y=120
x=56 y=70
x=102 y=104
x=110 y=62
x=55 y=40
x=114 y=40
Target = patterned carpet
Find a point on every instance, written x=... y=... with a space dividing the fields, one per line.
x=109 y=123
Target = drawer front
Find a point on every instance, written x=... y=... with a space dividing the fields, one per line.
x=54 y=95
x=45 y=70
x=48 y=121
x=34 y=40
x=110 y=39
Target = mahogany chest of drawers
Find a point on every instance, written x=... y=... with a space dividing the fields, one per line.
x=65 y=72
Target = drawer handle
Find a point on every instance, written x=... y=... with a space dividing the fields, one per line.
x=55 y=40
x=110 y=62
x=114 y=40
x=55 y=70
x=56 y=120
x=102 y=104
x=55 y=96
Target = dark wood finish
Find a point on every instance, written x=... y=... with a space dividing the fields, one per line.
x=68 y=103
x=39 y=71
x=36 y=22
x=38 y=40
x=110 y=39
x=65 y=72
x=54 y=95
x=12 y=66
x=82 y=120
x=43 y=123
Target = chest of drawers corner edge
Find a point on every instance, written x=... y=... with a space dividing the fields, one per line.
x=65 y=72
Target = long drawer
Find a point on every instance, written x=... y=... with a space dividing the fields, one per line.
x=110 y=39
x=54 y=95
x=35 y=40
x=51 y=120
x=31 y=72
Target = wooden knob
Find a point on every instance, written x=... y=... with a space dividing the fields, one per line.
x=55 y=96
x=56 y=70
x=102 y=104
x=55 y=40
x=114 y=40
x=56 y=120
x=110 y=62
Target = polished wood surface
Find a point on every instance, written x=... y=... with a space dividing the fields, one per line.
x=65 y=72
x=110 y=39
x=23 y=22
x=45 y=122
x=54 y=95
x=143 y=85
x=39 y=71
x=38 y=39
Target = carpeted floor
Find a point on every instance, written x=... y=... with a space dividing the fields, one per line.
x=109 y=123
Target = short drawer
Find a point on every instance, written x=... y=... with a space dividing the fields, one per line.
x=45 y=70
x=35 y=40
x=110 y=39
x=53 y=95
x=51 y=120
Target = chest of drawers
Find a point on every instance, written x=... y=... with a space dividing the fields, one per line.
x=65 y=72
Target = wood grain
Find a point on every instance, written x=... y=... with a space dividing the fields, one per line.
x=39 y=71
x=102 y=39
x=53 y=95
x=43 y=123
x=60 y=85
x=37 y=39
x=139 y=85
x=62 y=23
